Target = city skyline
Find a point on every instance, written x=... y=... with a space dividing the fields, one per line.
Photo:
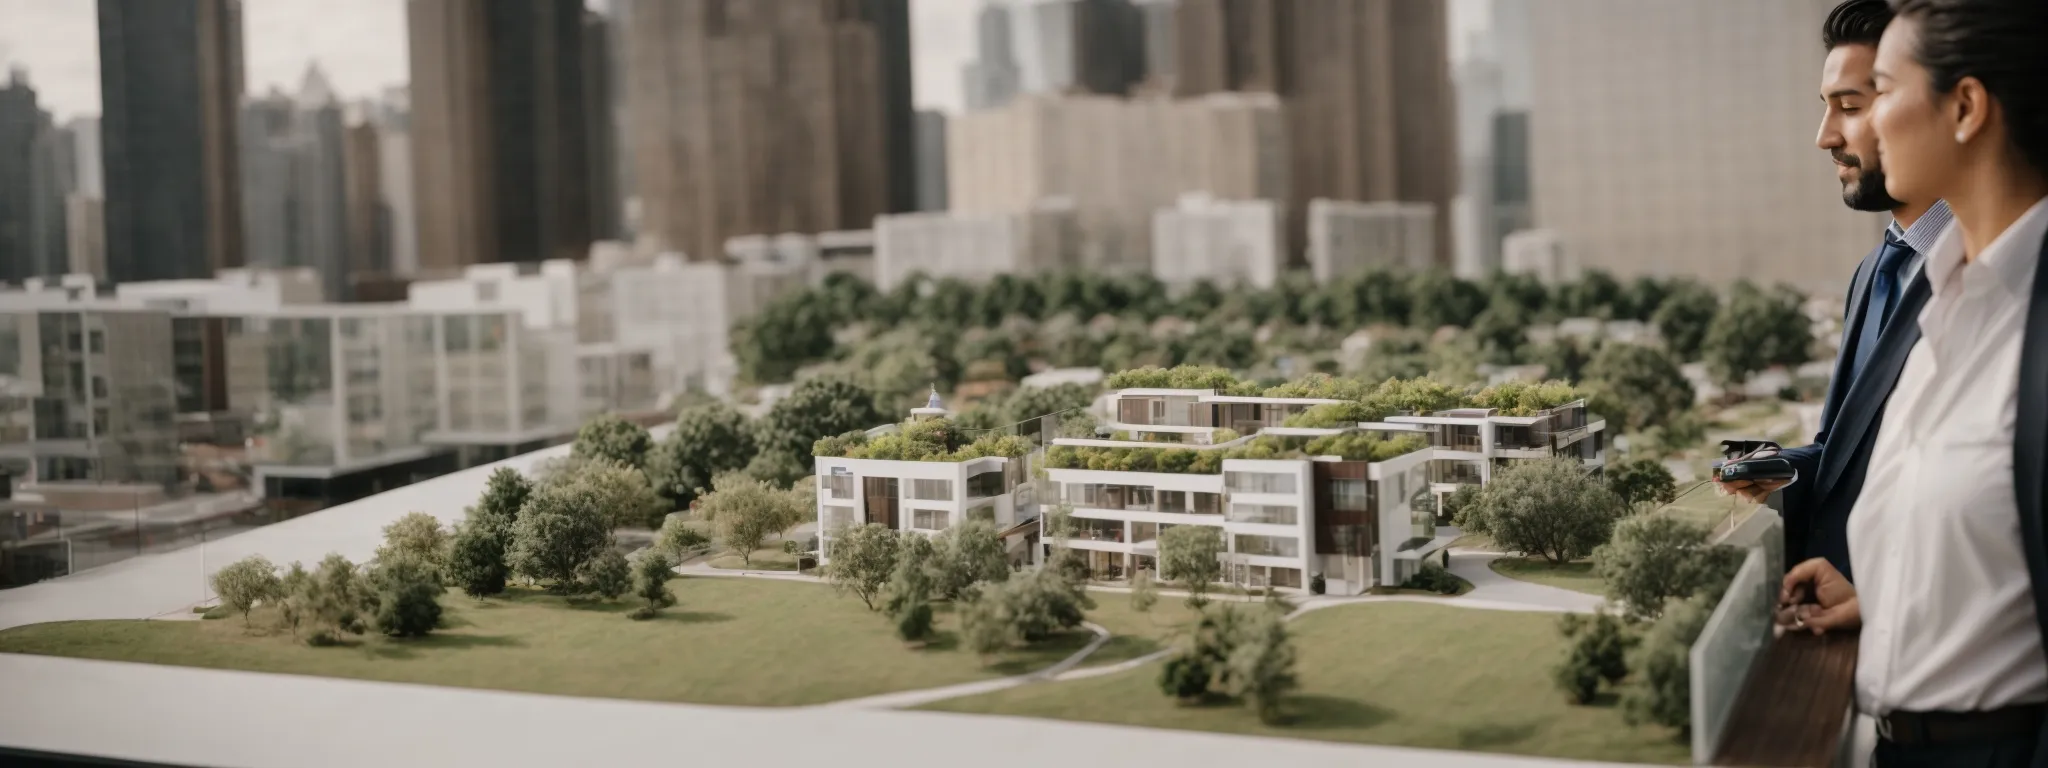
x=362 y=47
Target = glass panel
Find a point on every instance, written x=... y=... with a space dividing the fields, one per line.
x=1259 y=482
x=932 y=490
x=1264 y=513
x=1270 y=546
x=929 y=519
x=1208 y=503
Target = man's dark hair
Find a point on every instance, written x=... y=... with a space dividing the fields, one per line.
x=1855 y=22
x=1999 y=43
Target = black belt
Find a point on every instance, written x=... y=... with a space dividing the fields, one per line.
x=1927 y=728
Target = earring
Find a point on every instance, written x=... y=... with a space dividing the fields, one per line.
x=1960 y=138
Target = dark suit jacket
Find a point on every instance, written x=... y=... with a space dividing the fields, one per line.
x=1816 y=506
x=2030 y=457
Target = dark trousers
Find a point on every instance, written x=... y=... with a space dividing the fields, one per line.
x=2011 y=753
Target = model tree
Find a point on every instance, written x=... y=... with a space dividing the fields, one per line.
x=818 y=407
x=707 y=441
x=1144 y=591
x=418 y=536
x=863 y=559
x=1643 y=484
x=746 y=511
x=1189 y=555
x=1637 y=386
x=624 y=494
x=1755 y=330
x=1550 y=508
x=967 y=553
x=561 y=528
x=1597 y=650
x=1662 y=667
x=408 y=591
x=1656 y=558
x=245 y=582
x=610 y=438
x=650 y=583
x=1682 y=318
x=476 y=561
x=608 y=575
x=335 y=599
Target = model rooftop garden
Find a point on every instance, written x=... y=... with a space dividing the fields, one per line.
x=922 y=440
x=1356 y=445
x=1365 y=400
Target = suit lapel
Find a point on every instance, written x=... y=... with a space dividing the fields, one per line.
x=1867 y=395
x=1852 y=329
x=2030 y=439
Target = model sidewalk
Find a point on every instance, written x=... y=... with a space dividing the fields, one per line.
x=145 y=712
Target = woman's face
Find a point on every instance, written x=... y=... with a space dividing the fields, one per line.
x=1916 y=138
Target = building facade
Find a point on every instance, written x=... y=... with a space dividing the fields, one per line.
x=975 y=246
x=1539 y=252
x=1118 y=160
x=1607 y=181
x=747 y=118
x=993 y=78
x=86 y=392
x=1367 y=82
x=500 y=136
x=1224 y=242
x=1346 y=238
x=931 y=161
x=170 y=82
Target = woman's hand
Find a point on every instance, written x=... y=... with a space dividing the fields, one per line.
x=1833 y=605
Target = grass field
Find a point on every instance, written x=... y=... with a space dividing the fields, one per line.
x=1577 y=576
x=763 y=559
x=1407 y=674
x=728 y=641
x=1134 y=634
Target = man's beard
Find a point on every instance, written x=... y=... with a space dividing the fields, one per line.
x=1867 y=193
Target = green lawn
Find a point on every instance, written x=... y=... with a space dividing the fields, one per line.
x=1134 y=634
x=1706 y=507
x=728 y=641
x=1407 y=674
x=763 y=559
x=1577 y=575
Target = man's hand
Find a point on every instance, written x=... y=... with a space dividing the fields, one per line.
x=1833 y=605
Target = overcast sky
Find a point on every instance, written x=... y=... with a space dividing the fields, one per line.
x=361 y=45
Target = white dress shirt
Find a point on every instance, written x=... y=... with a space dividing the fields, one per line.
x=1948 y=611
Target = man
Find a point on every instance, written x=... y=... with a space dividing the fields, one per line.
x=1888 y=288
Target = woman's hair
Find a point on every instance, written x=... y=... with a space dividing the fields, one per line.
x=1999 y=42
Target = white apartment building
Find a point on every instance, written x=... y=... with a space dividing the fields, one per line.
x=232 y=291
x=1118 y=160
x=1345 y=237
x=86 y=391
x=975 y=246
x=1538 y=252
x=1224 y=242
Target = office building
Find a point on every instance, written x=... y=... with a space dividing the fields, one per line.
x=600 y=94
x=170 y=82
x=1079 y=46
x=747 y=118
x=1367 y=83
x=992 y=79
x=392 y=118
x=1118 y=160
x=294 y=164
x=1345 y=238
x=1650 y=191
x=500 y=133
x=1160 y=18
x=37 y=171
x=366 y=214
x=975 y=246
x=1541 y=253
x=88 y=390
x=1224 y=242
x=85 y=233
x=931 y=161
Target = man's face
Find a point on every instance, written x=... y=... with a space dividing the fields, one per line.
x=1847 y=87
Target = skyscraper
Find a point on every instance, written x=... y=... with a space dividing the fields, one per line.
x=1637 y=189
x=1080 y=46
x=759 y=118
x=170 y=80
x=931 y=160
x=367 y=216
x=294 y=209
x=599 y=93
x=500 y=137
x=20 y=122
x=1371 y=116
x=992 y=79
x=393 y=119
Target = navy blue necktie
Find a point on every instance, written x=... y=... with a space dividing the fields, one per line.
x=1885 y=285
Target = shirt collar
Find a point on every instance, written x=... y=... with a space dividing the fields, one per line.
x=1925 y=230
x=2004 y=262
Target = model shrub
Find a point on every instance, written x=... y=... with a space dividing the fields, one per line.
x=1597 y=649
x=1654 y=558
x=1317 y=585
x=1434 y=578
x=967 y=553
x=650 y=584
x=863 y=559
x=408 y=592
x=746 y=511
x=1188 y=556
x=1144 y=591
x=1549 y=507
x=476 y=561
x=608 y=575
x=333 y=600
x=1662 y=665
x=417 y=535
x=1233 y=652
x=610 y=438
x=910 y=582
x=562 y=527
x=914 y=622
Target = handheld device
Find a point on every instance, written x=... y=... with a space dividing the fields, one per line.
x=1742 y=463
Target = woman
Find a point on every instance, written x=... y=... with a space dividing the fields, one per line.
x=1947 y=535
